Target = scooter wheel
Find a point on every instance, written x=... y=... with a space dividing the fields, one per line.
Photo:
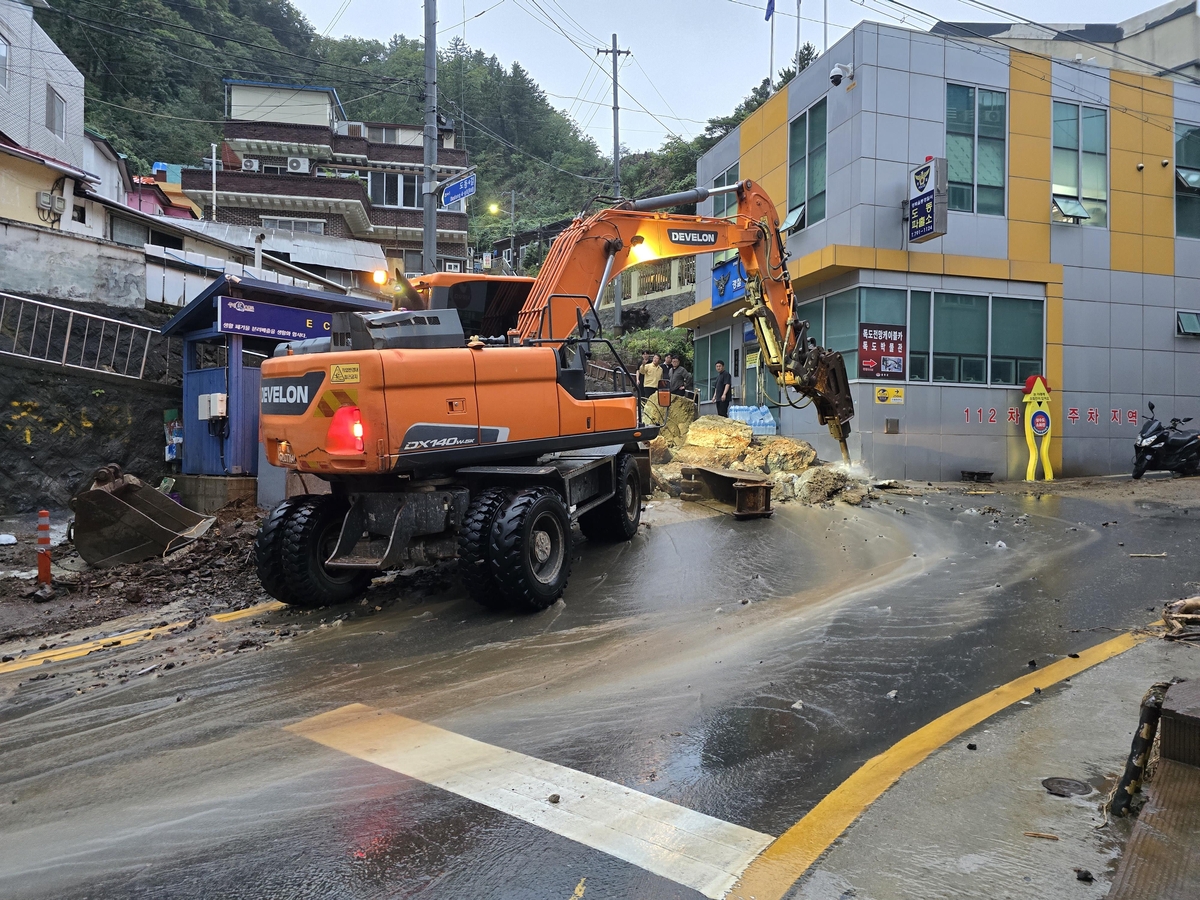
x=1139 y=468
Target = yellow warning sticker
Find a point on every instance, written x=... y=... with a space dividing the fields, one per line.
x=890 y=395
x=346 y=373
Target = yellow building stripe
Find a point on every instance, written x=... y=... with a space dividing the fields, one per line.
x=778 y=867
x=74 y=651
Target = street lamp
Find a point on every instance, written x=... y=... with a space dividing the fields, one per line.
x=494 y=209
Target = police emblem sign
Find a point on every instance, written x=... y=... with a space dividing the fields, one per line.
x=927 y=201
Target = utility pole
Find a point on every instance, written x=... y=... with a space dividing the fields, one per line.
x=429 y=188
x=798 y=36
x=214 y=182
x=616 y=56
x=512 y=230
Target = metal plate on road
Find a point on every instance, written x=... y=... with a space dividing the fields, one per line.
x=458 y=190
x=1066 y=787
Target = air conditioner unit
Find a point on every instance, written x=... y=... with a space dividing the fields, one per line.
x=45 y=200
x=298 y=165
x=59 y=204
x=249 y=165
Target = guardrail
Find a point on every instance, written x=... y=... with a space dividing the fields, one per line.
x=33 y=329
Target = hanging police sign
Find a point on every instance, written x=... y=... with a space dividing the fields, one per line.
x=927 y=201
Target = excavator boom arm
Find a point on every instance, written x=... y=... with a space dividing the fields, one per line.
x=591 y=251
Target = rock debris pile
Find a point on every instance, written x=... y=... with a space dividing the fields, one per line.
x=718 y=443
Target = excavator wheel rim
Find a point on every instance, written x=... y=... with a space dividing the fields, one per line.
x=526 y=583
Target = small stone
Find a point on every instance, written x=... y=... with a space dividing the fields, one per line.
x=7 y=658
x=1073 y=655
x=972 y=747
x=1083 y=875
x=553 y=798
x=891 y=695
x=799 y=704
x=1033 y=664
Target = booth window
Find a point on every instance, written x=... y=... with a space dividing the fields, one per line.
x=960 y=338
x=1016 y=339
x=975 y=157
x=1080 y=165
x=1187 y=180
x=807 y=164
x=918 y=336
x=725 y=206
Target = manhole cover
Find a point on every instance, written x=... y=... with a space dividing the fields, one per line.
x=1066 y=787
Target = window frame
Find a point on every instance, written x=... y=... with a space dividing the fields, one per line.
x=55 y=102
x=7 y=62
x=1057 y=215
x=806 y=202
x=1183 y=188
x=721 y=207
x=976 y=122
x=929 y=380
x=263 y=220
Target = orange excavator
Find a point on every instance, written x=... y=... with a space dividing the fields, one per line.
x=466 y=429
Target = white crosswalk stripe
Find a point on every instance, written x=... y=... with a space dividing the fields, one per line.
x=688 y=847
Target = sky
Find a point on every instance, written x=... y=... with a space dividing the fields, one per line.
x=690 y=59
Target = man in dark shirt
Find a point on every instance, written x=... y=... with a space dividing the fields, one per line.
x=681 y=378
x=722 y=389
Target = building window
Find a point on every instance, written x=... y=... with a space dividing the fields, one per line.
x=381 y=135
x=806 y=164
x=126 y=231
x=975 y=135
x=841 y=327
x=56 y=113
x=1187 y=180
x=5 y=47
x=1080 y=164
x=960 y=338
x=393 y=189
x=295 y=226
x=814 y=314
x=705 y=353
x=274 y=170
x=1016 y=339
x=79 y=214
x=725 y=206
x=918 y=336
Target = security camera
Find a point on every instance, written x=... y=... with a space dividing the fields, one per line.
x=839 y=72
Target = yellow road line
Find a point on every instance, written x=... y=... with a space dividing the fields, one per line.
x=74 y=651
x=781 y=864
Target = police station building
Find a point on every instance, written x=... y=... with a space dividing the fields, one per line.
x=1067 y=200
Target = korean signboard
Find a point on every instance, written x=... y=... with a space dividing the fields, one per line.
x=881 y=351
x=927 y=201
x=728 y=282
x=265 y=320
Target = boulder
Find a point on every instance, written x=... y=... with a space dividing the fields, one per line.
x=660 y=451
x=707 y=457
x=720 y=433
x=784 y=454
x=674 y=421
x=820 y=484
x=785 y=485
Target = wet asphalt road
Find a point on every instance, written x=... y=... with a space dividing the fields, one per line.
x=188 y=786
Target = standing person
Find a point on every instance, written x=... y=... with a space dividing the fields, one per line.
x=681 y=378
x=722 y=390
x=649 y=374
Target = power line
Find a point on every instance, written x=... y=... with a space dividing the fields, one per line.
x=467 y=18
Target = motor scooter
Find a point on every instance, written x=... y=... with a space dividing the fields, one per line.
x=1168 y=447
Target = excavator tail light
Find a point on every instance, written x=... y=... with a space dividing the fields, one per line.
x=345 y=434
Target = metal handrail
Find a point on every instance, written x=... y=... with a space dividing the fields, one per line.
x=116 y=340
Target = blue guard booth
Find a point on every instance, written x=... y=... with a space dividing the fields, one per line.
x=227 y=332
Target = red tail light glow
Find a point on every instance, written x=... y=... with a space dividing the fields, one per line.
x=345 y=435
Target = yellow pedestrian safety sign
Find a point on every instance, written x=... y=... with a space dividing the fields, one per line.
x=1038 y=425
x=890 y=395
x=344 y=373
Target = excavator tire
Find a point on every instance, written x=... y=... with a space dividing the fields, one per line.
x=474 y=548
x=617 y=519
x=268 y=550
x=531 y=549
x=309 y=536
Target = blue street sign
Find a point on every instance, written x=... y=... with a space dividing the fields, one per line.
x=458 y=190
x=282 y=323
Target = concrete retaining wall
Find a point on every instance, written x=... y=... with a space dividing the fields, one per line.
x=43 y=262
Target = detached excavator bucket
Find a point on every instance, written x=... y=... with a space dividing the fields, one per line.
x=120 y=520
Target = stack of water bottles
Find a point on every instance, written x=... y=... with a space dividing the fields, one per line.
x=759 y=419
